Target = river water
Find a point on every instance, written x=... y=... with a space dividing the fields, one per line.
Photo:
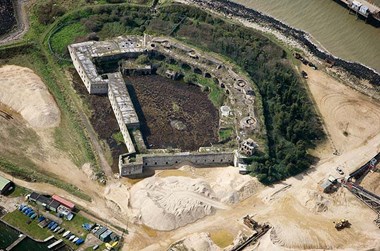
x=330 y=24
x=9 y=235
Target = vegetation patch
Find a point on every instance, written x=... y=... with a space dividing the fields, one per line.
x=19 y=220
x=65 y=36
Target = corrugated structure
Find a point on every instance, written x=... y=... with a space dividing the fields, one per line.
x=100 y=232
x=53 y=205
x=106 y=236
x=63 y=201
x=5 y=185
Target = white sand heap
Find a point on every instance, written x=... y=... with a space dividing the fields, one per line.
x=168 y=203
x=23 y=91
x=196 y=242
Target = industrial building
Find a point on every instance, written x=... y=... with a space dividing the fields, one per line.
x=64 y=202
x=6 y=186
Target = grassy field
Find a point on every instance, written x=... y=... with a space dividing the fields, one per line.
x=19 y=220
x=225 y=133
x=19 y=191
x=66 y=36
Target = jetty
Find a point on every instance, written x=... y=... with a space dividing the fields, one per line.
x=363 y=8
x=54 y=244
x=16 y=242
x=49 y=238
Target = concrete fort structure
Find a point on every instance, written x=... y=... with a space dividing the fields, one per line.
x=86 y=57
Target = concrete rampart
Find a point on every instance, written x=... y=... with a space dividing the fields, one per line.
x=171 y=161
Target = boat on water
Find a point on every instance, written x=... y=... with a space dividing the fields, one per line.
x=20 y=235
x=66 y=234
x=75 y=239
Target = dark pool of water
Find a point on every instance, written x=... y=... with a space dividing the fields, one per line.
x=7 y=17
x=8 y=235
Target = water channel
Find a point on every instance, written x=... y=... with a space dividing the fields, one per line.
x=330 y=24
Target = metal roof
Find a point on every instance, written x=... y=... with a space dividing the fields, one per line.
x=3 y=182
x=63 y=201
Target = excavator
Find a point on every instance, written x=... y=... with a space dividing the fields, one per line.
x=343 y=223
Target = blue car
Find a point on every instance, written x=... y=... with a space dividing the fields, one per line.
x=21 y=207
x=54 y=226
x=27 y=211
x=33 y=216
x=79 y=241
x=24 y=209
x=50 y=224
x=31 y=212
x=41 y=218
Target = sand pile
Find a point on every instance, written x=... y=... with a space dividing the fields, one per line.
x=196 y=242
x=231 y=187
x=24 y=92
x=316 y=202
x=171 y=202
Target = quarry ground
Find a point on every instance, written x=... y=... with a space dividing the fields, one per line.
x=301 y=215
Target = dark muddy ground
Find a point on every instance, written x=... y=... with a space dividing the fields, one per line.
x=7 y=17
x=173 y=114
x=103 y=119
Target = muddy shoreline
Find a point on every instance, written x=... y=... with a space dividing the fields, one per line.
x=236 y=10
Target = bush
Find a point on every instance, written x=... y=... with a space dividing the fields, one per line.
x=49 y=11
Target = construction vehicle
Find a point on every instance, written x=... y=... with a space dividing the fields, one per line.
x=249 y=222
x=342 y=224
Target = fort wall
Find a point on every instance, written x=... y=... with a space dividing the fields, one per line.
x=238 y=90
x=170 y=161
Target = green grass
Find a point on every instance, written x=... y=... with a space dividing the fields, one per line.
x=75 y=225
x=118 y=137
x=18 y=220
x=216 y=94
x=225 y=133
x=110 y=30
x=19 y=191
x=65 y=36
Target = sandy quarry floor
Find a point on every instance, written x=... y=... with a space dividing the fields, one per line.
x=344 y=110
x=301 y=215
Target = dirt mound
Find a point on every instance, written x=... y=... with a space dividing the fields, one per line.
x=231 y=187
x=171 y=202
x=196 y=242
x=24 y=92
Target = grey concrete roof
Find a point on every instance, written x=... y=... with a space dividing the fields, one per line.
x=118 y=88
